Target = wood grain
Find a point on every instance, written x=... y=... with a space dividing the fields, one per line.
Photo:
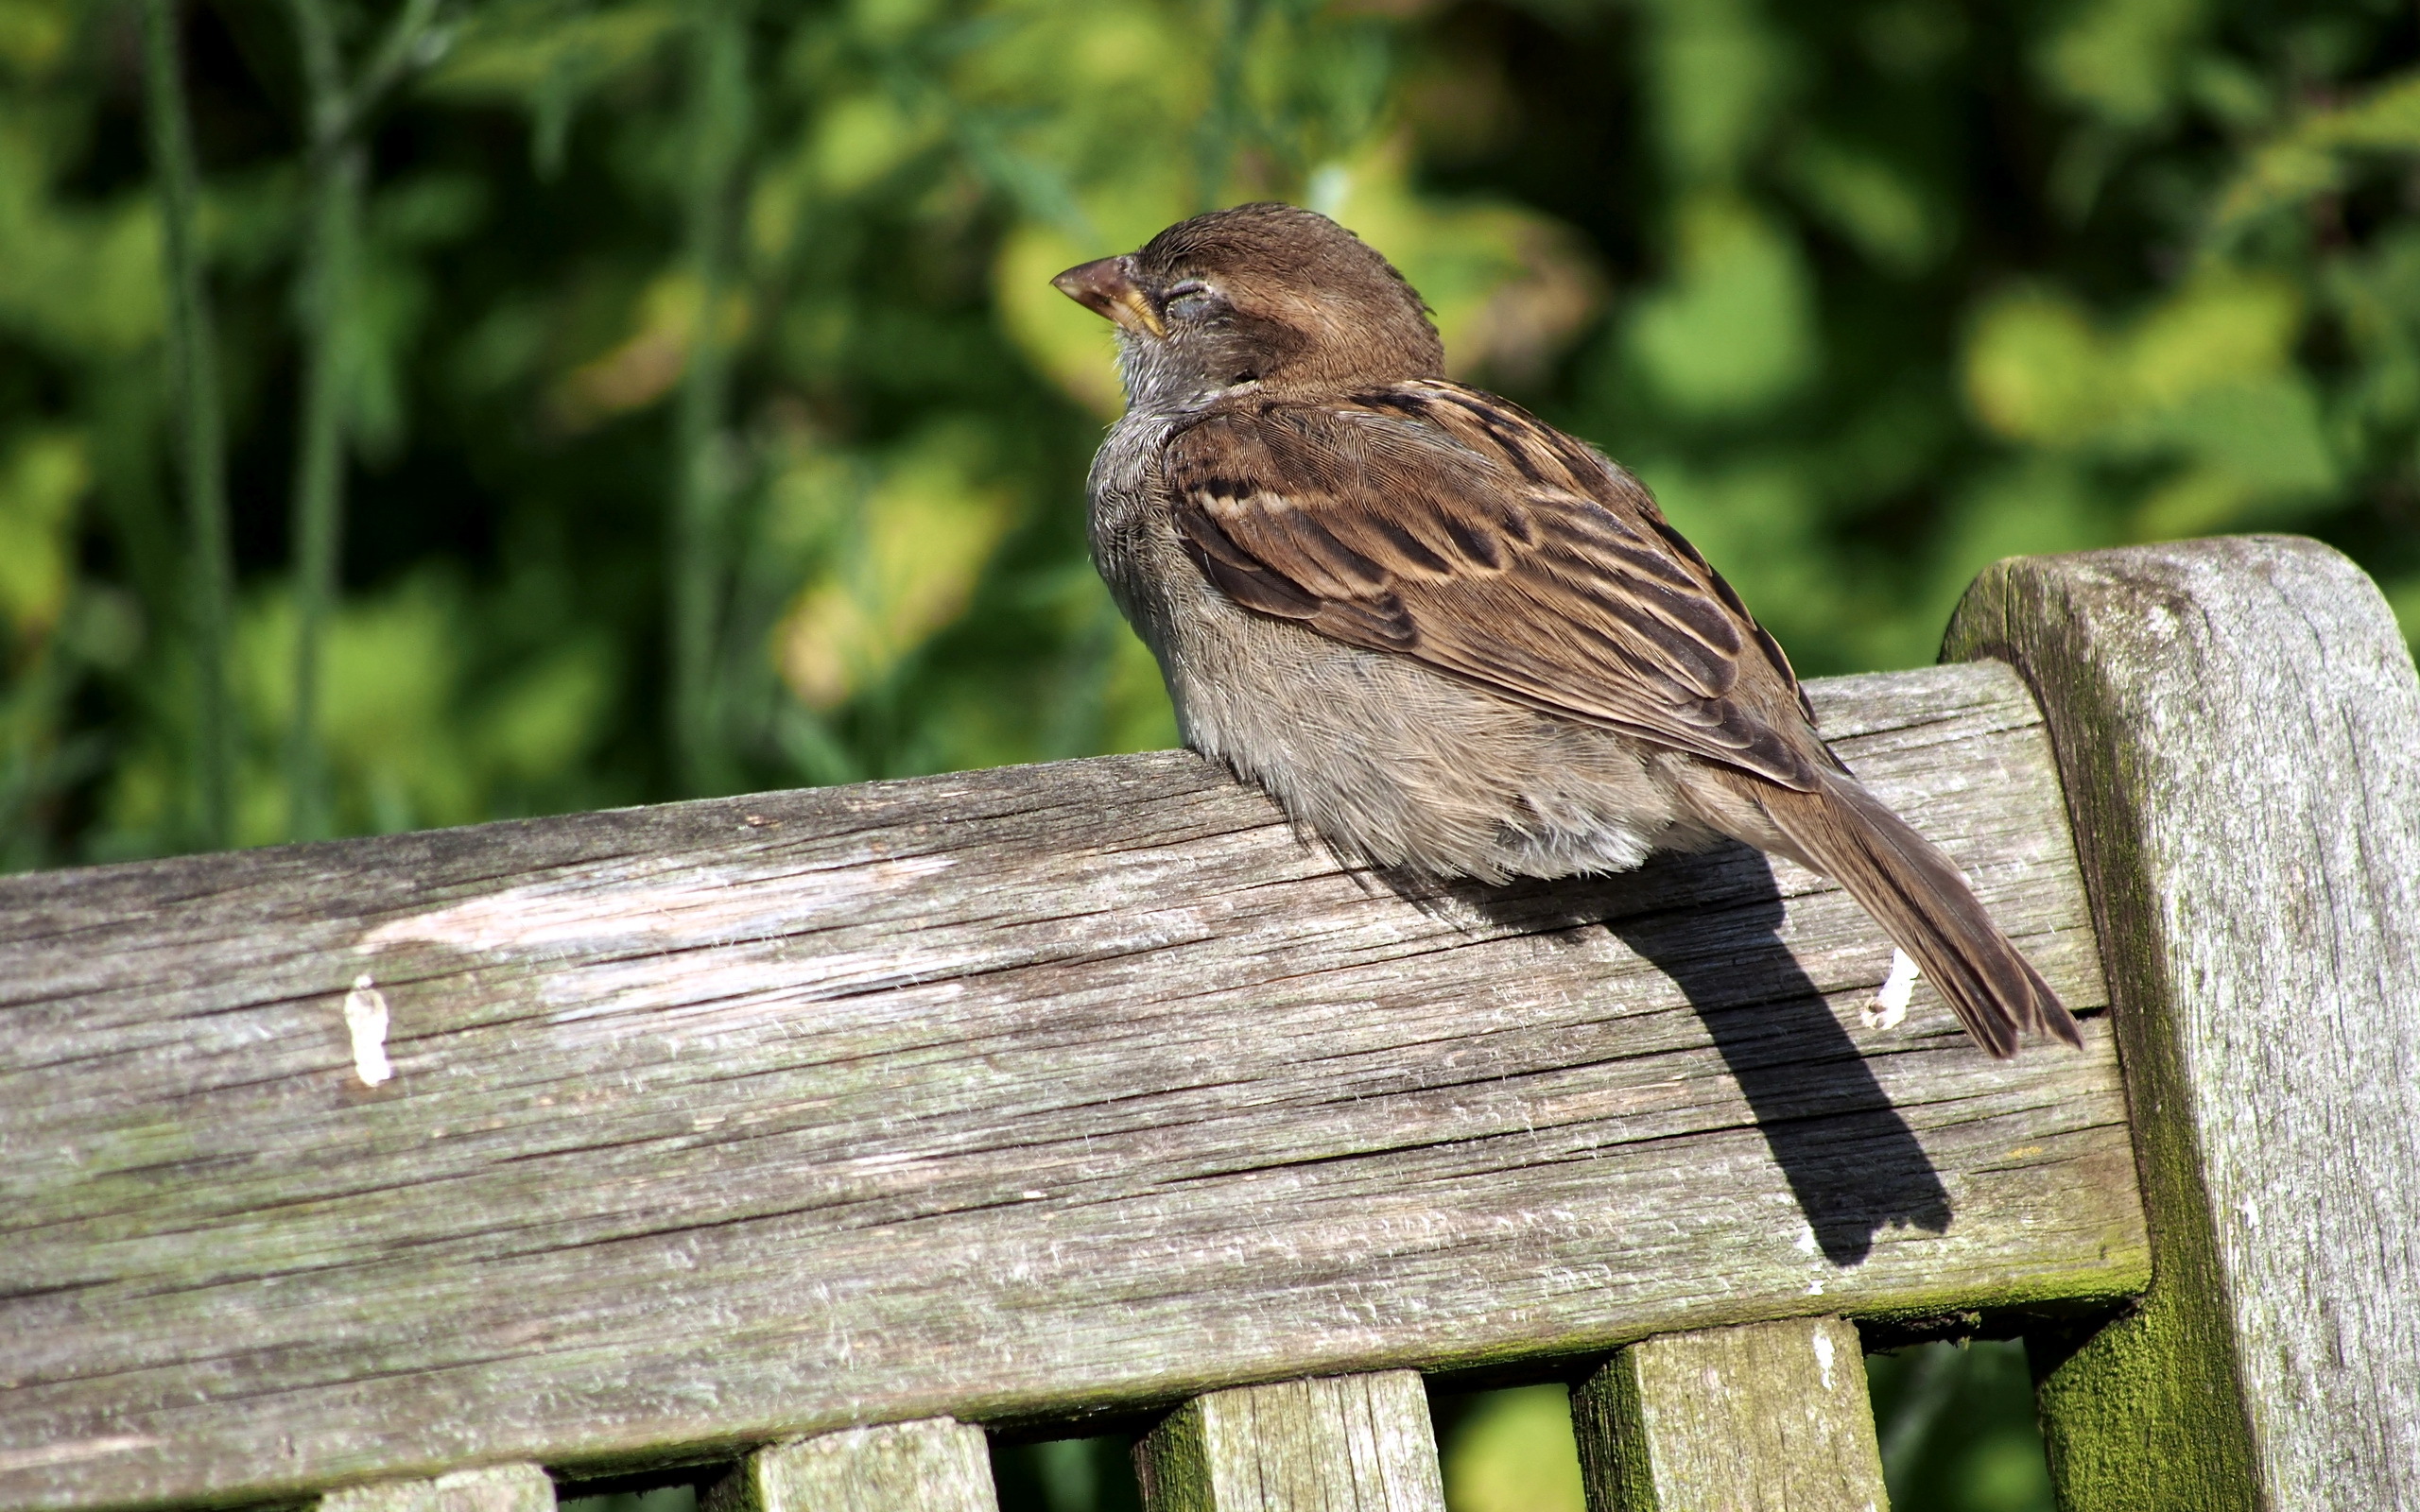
x=1339 y=1444
x=1007 y=1096
x=491 y=1489
x=934 y=1465
x=1764 y=1418
x=2240 y=725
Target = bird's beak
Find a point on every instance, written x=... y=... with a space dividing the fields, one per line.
x=1108 y=287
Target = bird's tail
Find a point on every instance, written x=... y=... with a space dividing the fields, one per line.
x=1925 y=905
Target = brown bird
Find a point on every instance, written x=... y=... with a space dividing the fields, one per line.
x=1445 y=635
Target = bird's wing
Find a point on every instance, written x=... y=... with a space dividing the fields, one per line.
x=1429 y=520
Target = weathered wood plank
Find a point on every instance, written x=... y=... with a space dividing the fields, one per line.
x=2240 y=724
x=491 y=1489
x=1337 y=1444
x=1763 y=1417
x=1000 y=1096
x=935 y=1465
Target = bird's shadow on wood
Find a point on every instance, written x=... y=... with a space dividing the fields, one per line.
x=1712 y=924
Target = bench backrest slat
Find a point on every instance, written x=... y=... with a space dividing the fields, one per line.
x=1766 y=1414
x=2239 y=725
x=932 y=1465
x=1357 y=1443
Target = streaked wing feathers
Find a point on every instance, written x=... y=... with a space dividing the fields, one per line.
x=1428 y=519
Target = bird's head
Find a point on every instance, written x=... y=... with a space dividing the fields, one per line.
x=1264 y=295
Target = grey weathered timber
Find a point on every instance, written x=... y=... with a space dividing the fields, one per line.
x=935 y=1465
x=656 y=1136
x=1762 y=1417
x=2239 y=724
x=1336 y=1444
x=492 y=1488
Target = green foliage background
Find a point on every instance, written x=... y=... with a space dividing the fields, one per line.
x=670 y=396
x=1871 y=291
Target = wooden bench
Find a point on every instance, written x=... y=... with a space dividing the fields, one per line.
x=800 y=1137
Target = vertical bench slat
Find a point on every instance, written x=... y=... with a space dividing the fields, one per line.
x=1735 y=1419
x=933 y=1465
x=491 y=1489
x=2238 y=723
x=1339 y=1444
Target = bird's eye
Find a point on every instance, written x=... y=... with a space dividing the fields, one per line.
x=1189 y=300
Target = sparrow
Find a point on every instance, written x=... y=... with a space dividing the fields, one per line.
x=1444 y=636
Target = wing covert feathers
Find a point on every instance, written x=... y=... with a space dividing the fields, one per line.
x=1925 y=905
x=1425 y=520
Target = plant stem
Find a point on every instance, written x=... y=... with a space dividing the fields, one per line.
x=329 y=288
x=701 y=483
x=326 y=293
x=193 y=366
x=1222 y=125
x=412 y=42
x=329 y=284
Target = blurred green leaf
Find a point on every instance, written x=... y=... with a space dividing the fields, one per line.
x=35 y=34
x=1866 y=304
x=81 y=277
x=907 y=552
x=2037 y=370
x=2313 y=154
x=548 y=56
x=2122 y=59
x=545 y=717
x=1515 y=1453
x=1718 y=73
x=1890 y=219
x=44 y=476
x=2203 y=379
x=1733 y=329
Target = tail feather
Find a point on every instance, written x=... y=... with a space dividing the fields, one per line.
x=1925 y=905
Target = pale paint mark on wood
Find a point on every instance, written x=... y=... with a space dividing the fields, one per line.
x=1769 y=1417
x=1359 y=1443
x=365 y=1019
x=693 y=903
x=934 y=1465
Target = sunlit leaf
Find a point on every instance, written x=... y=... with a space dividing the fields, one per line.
x=2037 y=369
x=860 y=137
x=2121 y=59
x=2310 y=156
x=642 y=367
x=544 y=719
x=1719 y=72
x=516 y=51
x=919 y=539
x=1071 y=346
x=44 y=476
x=1515 y=1453
x=2198 y=371
x=2213 y=331
x=1733 y=329
x=34 y=34
x=2264 y=434
x=79 y=278
x=1888 y=216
